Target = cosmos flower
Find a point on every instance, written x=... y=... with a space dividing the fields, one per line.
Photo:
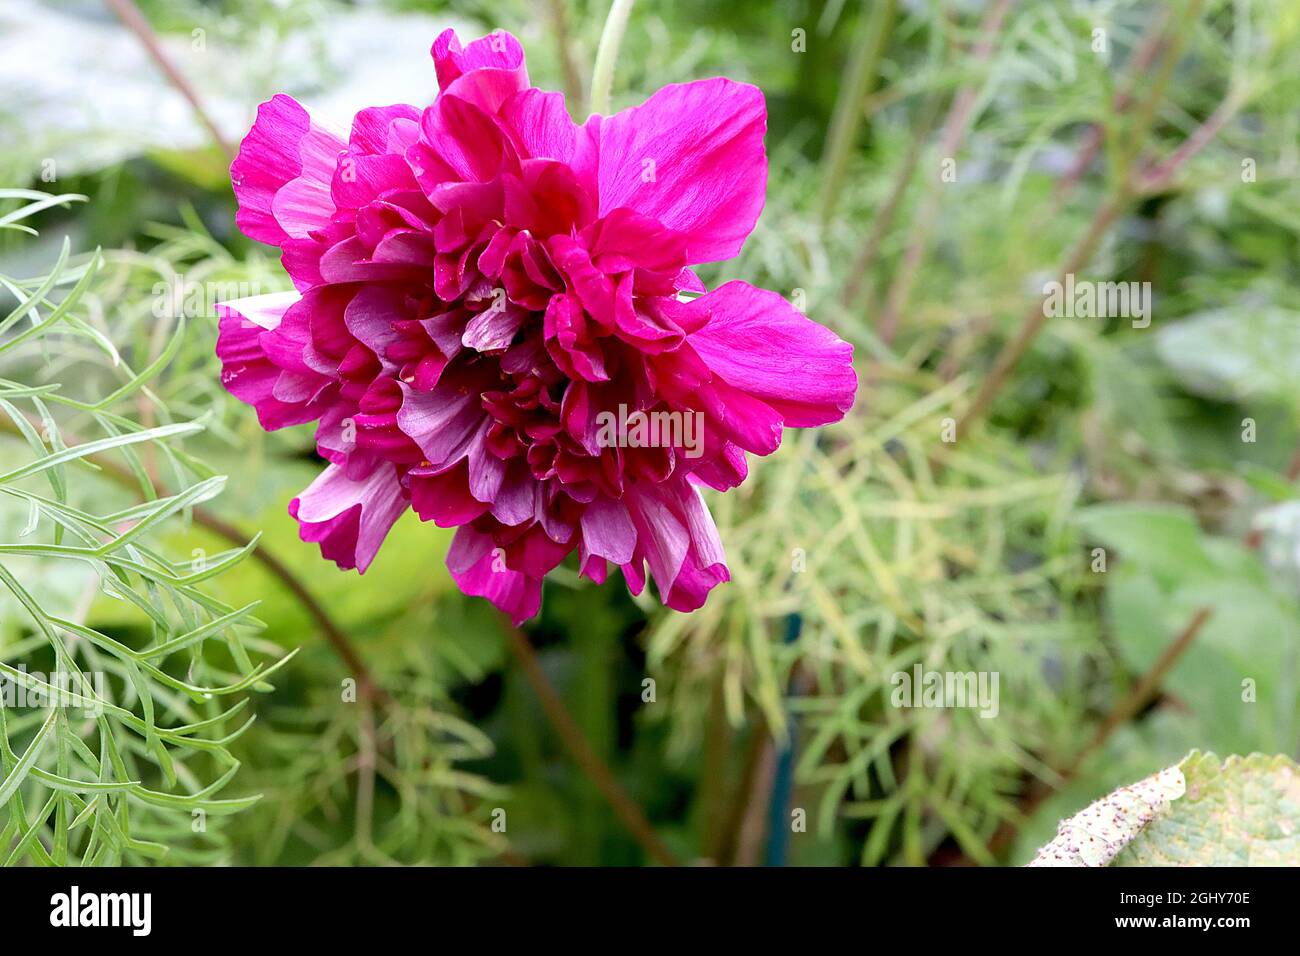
x=482 y=284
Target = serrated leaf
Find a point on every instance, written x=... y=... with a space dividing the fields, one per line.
x=1244 y=811
x=1200 y=812
x=1094 y=835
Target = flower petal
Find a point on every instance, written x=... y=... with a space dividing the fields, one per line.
x=676 y=536
x=486 y=73
x=539 y=125
x=445 y=498
x=479 y=569
x=347 y=518
x=281 y=396
x=282 y=174
x=691 y=157
x=759 y=343
x=607 y=530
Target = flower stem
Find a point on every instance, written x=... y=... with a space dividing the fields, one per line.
x=860 y=76
x=602 y=76
x=575 y=741
x=564 y=47
x=134 y=20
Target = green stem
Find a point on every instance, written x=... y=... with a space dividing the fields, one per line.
x=602 y=77
x=867 y=54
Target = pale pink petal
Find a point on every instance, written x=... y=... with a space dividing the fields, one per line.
x=607 y=530
x=349 y=519
x=282 y=397
x=677 y=538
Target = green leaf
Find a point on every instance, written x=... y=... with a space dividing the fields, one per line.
x=1235 y=354
x=1244 y=811
x=25 y=764
x=1200 y=812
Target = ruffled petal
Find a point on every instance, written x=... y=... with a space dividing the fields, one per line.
x=282 y=397
x=282 y=174
x=759 y=343
x=486 y=73
x=479 y=569
x=691 y=157
x=677 y=538
x=349 y=518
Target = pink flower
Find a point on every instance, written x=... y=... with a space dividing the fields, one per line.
x=480 y=282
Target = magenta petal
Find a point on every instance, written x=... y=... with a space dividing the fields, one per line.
x=498 y=50
x=280 y=397
x=445 y=499
x=369 y=318
x=760 y=344
x=479 y=410
x=486 y=73
x=607 y=530
x=692 y=158
x=539 y=124
x=442 y=422
x=282 y=174
x=678 y=539
x=727 y=470
x=349 y=519
x=516 y=500
x=463 y=140
x=360 y=179
x=590 y=566
x=626 y=239
x=480 y=570
x=372 y=128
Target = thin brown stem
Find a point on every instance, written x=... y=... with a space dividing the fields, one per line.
x=1131 y=184
x=575 y=741
x=366 y=684
x=715 y=779
x=1034 y=319
x=884 y=219
x=134 y=20
x=1142 y=693
x=753 y=823
x=760 y=741
x=1158 y=177
x=954 y=129
x=564 y=47
x=1140 y=62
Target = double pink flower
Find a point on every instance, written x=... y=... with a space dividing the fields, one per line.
x=478 y=280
